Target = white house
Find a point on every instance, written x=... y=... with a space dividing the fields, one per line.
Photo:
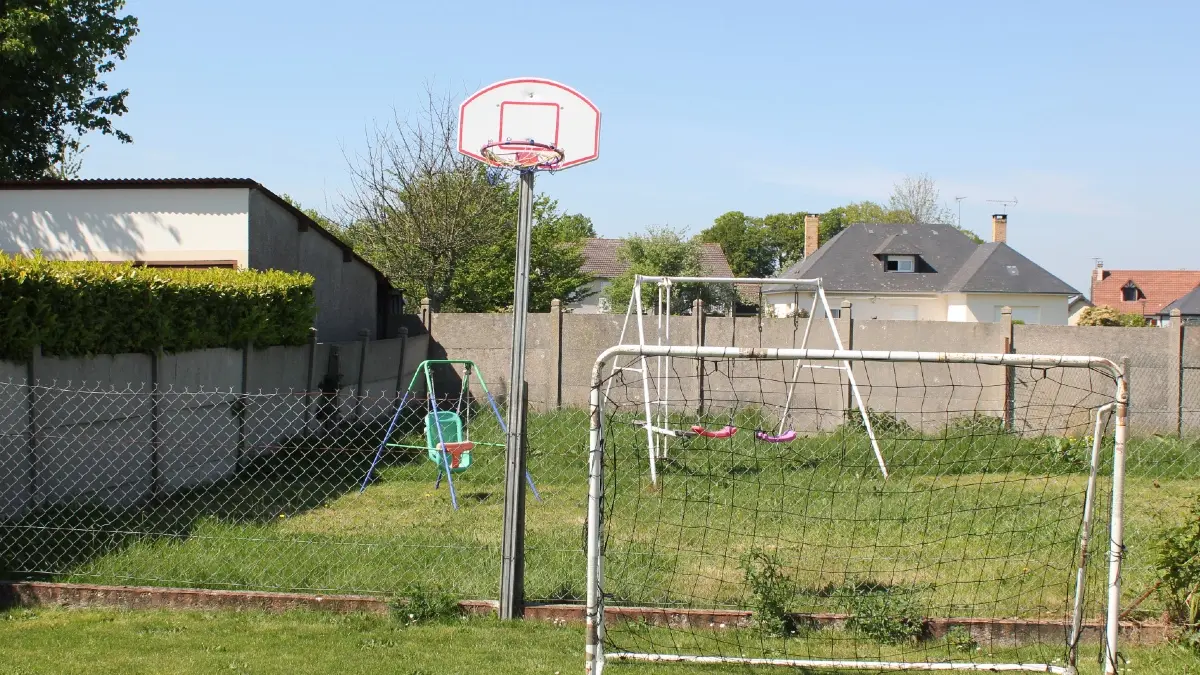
x=209 y=222
x=926 y=273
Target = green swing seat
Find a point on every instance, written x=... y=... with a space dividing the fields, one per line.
x=459 y=450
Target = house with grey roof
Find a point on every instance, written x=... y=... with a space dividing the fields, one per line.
x=1188 y=306
x=926 y=273
x=602 y=260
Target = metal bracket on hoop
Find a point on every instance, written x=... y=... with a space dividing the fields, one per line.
x=527 y=155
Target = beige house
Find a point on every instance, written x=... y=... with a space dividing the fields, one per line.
x=206 y=222
x=926 y=273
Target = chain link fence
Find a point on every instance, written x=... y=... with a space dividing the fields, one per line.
x=275 y=491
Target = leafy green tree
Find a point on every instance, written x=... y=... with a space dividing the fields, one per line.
x=747 y=244
x=53 y=54
x=317 y=216
x=1108 y=316
x=663 y=251
x=484 y=282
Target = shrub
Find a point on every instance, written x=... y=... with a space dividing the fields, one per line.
x=975 y=424
x=1177 y=557
x=883 y=423
x=76 y=308
x=425 y=604
x=771 y=590
x=1108 y=316
x=886 y=615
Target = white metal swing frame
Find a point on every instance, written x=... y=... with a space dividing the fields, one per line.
x=657 y=407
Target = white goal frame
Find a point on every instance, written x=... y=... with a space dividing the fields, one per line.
x=596 y=658
x=657 y=405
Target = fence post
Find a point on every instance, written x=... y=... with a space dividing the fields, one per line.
x=845 y=328
x=512 y=554
x=556 y=346
x=363 y=336
x=155 y=423
x=242 y=402
x=698 y=327
x=426 y=315
x=309 y=373
x=31 y=372
x=402 y=333
x=1010 y=404
x=1175 y=383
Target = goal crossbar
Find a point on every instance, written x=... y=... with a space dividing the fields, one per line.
x=595 y=631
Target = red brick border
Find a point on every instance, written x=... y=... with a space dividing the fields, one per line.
x=989 y=631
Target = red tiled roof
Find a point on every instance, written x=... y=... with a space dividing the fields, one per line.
x=1158 y=288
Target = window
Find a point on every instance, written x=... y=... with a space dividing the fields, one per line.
x=901 y=263
x=1131 y=293
x=835 y=313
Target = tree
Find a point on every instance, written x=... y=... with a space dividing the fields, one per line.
x=919 y=199
x=418 y=209
x=664 y=251
x=53 y=54
x=318 y=218
x=1108 y=316
x=747 y=244
x=484 y=282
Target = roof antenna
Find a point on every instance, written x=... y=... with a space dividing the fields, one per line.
x=959 y=200
x=1004 y=204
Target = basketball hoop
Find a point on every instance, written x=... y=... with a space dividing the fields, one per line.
x=523 y=155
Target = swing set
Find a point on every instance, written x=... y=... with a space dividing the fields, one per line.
x=656 y=382
x=448 y=441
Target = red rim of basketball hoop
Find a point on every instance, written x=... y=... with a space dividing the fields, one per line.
x=522 y=155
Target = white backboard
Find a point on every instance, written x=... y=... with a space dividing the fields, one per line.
x=530 y=108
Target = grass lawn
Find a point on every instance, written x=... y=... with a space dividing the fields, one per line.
x=984 y=525
x=184 y=642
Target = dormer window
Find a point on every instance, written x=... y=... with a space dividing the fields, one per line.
x=901 y=263
x=1131 y=293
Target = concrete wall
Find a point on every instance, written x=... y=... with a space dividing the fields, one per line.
x=158 y=224
x=115 y=429
x=563 y=348
x=346 y=290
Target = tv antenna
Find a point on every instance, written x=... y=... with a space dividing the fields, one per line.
x=959 y=200
x=1004 y=204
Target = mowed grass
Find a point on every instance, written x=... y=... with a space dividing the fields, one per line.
x=977 y=523
x=185 y=642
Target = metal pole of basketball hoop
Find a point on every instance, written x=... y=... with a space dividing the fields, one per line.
x=512 y=547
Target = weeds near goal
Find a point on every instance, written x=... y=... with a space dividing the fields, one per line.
x=994 y=544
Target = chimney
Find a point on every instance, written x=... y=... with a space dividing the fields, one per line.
x=1000 y=228
x=812 y=236
x=1098 y=276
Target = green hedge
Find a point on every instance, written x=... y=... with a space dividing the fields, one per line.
x=84 y=308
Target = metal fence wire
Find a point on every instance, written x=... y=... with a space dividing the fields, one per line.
x=265 y=491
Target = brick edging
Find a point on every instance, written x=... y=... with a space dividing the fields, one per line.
x=39 y=593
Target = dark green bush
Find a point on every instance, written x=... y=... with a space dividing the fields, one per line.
x=82 y=308
x=1177 y=557
x=886 y=615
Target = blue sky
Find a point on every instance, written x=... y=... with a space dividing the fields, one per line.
x=1085 y=112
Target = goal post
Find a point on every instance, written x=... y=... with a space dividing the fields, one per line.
x=982 y=550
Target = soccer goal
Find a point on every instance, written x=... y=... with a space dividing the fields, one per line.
x=993 y=545
x=656 y=377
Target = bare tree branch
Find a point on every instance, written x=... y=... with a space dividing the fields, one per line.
x=417 y=207
x=918 y=197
